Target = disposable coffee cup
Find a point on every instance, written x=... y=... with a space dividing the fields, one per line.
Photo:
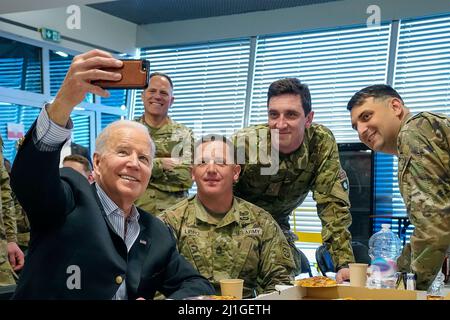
x=232 y=287
x=358 y=274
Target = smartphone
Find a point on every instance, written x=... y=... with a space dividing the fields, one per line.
x=135 y=73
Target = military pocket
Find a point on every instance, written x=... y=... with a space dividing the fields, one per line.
x=194 y=256
x=244 y=261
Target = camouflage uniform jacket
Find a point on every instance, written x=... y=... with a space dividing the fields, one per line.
x=23 y=224
x=6 y=277
x=247 y=244
x=168 y=185
x=8 y=207
x=314 y=166
x=424 y=180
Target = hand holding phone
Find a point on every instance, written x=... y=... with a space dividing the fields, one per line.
x=135 y=73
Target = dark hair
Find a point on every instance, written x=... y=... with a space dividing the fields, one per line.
x=215 y=137
x=377 y=91
x=80 y=159
x=160 y=74
x=291 y=86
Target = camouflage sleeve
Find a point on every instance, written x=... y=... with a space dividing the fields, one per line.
x=424 y=184
x=157 y=169
x=179 y=178
x=170 y=218
x=330 y=191
x=276 y=263
x=6 y=277
x=9 y=217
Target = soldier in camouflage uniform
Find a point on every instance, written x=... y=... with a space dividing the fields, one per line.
x=224 y=236
x=308 y=160
x=22 y=234
x=422 y=145
x=6 y=276
x=171 y=177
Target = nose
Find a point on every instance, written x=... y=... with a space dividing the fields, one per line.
x=133 y=161
x=281 y=122
x=362 y=131
x=211 y=167
x=157 y=95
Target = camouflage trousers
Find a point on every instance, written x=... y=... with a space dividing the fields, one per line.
x=6 y=276
x=156 y=201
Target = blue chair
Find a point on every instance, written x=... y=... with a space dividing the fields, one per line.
x=325 y=263
x=305 y=267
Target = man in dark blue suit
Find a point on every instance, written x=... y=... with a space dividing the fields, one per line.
x=90 y=241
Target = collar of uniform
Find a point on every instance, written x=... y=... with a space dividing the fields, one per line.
x=231 y=216
x=300 y=157
x=141 y=119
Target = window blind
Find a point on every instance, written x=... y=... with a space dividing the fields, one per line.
x=108 y=118
x=20 y=66
x=209 y=84
x=15 y=114
x=335 y=64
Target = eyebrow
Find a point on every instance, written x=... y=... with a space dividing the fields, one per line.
x=355 y=126
x=127 y=147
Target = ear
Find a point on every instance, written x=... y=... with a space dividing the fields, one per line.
x=96 y=162
x=236 y=172
x=309 y=119
x=171 y=101
x=397 y=106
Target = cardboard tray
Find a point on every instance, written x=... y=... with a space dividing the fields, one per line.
x=343 y=292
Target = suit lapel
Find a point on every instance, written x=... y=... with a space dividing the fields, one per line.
x=139 y=250
x=117 y=240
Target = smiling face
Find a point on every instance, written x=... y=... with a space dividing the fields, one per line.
x=286 y=114
x=378 y=123
x=123 y=166
x=214 y=170
x=157 y=98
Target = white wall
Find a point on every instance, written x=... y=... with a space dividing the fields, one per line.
x=97 y=28
x=9 y=6
x=339 y=13
x=100 y=29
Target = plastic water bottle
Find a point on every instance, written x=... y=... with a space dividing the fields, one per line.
x=384 y=249
x=436 y=288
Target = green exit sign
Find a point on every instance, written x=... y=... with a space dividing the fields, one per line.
x=50 y=35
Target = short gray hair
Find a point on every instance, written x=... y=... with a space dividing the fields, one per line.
x=103 y=137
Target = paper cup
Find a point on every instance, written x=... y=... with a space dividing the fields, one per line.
x=358 y=274
x=232 y=287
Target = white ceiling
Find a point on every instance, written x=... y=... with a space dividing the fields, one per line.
x=9 y=6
